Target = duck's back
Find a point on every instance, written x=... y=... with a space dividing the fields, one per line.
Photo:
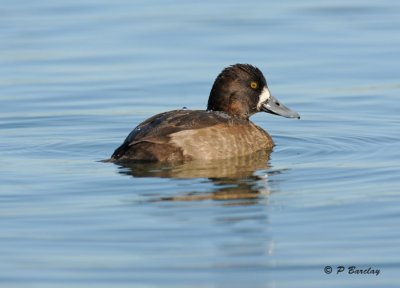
x=192 y=134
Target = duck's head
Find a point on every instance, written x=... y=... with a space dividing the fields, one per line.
x=241 y=91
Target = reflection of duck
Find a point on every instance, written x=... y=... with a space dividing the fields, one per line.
x=223 y=131
x=247 y=189
x=236 y=167
x=233 y=178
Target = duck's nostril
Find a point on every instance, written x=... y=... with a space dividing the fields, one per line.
x=278 y=104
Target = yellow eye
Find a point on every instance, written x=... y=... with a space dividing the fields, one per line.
x=254 y=85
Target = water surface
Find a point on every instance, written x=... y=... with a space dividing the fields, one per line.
x=77 y=77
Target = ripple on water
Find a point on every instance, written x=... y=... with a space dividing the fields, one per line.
x=316 y=148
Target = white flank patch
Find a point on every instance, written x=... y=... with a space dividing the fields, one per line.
x=264 y=96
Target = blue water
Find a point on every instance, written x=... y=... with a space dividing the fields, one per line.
x=77 y=76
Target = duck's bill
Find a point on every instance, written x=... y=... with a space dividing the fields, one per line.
x=273 y=106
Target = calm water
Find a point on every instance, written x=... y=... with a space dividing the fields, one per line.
x=77 y=76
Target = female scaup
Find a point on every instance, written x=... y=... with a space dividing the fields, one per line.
x=222 y=131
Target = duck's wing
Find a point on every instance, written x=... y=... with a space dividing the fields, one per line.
x=158 y=128
x=162 y=125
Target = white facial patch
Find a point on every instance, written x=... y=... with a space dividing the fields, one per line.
x=264 y=96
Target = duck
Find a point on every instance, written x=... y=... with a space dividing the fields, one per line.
x=224 y=130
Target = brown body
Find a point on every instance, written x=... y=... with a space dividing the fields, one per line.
x=222 y=131
x=191 y=134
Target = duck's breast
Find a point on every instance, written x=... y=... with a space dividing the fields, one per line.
x=221 y=141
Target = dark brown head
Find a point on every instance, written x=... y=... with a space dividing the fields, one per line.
x=241 y=91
